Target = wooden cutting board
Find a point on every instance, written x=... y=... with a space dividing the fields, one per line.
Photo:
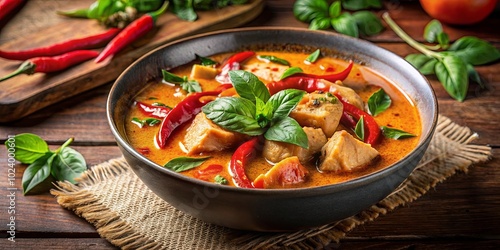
x=37 y=24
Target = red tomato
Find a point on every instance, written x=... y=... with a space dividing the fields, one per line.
x=458 y=11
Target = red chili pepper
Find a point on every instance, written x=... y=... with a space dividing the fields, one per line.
x=371 y=128
x=6 y=6
x=212 y=169
x=132 y=32
x=308 y=82
x=233 y=63
x=153 y=111
x=181 y=113
x=52 y=64
x=243 y=153
x=62 y=47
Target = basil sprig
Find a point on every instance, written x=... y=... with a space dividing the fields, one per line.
x=183 y=163
x=256 y=112
x=64 y=164
x=394 y=133
x=291 y=71
x=205 y=61
x=186 y=9
x=273 y=59
x=188 y=85
x=378 y=102
x=452 y=67
x=321 y=16
x=313 y=57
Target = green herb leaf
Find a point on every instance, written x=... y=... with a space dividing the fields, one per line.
x=248 y=85
x=308 y=10
x=361 y=4
x=28 y=147
x=423 y=63
x=219 y=179
x=190 y=86
x=474 y=75
x=368 y=23
x=320 y=23
x=287 y=130
x=284 y=102
x=396 y=134
x=235 y=114
x=273 y=59
x=181 y=164
x=313 y=57
x=291 y=71
x=184 y=10
x=443 y=40
x=359 y=130
x=263 y=112
x=432 y=30
x=346 y=25
x=68 y=164
x=37 y=172
x=205 y=61
x=171 y=78
x=335 y=9
x=379 y=102
x=474 y=51
x=148 y=121
x=451 y=71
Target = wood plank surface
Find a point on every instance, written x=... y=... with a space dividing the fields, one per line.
x=25 y=94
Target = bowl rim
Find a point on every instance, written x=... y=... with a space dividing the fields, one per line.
x=305 y=191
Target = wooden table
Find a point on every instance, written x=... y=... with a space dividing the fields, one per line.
x=463 y=212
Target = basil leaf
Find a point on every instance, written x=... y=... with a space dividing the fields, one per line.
x=140 y=123
x=273 y=59
x=184 y=10
x=291 y=71
x=432 y=30
x=37 y=172
x=284 y=102
x=68 y=164
x=474 y=76
x=474 y=50
x=191 y=86
x=287 y=130
x=171 y=78
x=346 y=25
x=263 y=112
x=361 y=4
x=248 y=85
x=423 y=63
x=335 y=9
x=219 y=179
x=28 y=147
x=181 y=164
x=359 y=130
x=313 y=57
x=308 y=10
x=235 y=114
x=451 y=71
x=320 y=23
x=396 y=134
x=205 y=61
x=443 y=40
x=378 y=102
x=368 y=23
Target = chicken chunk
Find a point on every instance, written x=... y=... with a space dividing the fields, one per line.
x=287 y=172
x=343 y=152
x=266 y=71
x=276 y=151
x=347 y=93
x=319 y=110
x=205 y=136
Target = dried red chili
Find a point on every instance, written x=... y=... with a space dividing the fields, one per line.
x=131 y=33
x=52 y=64
x=89 y=42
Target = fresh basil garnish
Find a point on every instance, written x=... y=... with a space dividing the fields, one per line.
x=424 y=64
x=273 y=59
x=287 y=130
x=308 y=10
x=359 y=130
x=248 y=85
x=190 y=86
x=68 y=164
x=284 y=102
x=291 y=71
x=28 y=147
x=451 y=71
x=219 y=179
x=183 y=163
x=346 y=24
x=396 y=134
x=205 y=61
x=379 y=102
x=474 y=51
x=311 y=58
x=37 y=172
x=361 y=4
x=368 y=23
x=148 y=121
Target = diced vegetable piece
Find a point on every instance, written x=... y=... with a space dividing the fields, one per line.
x=287 y=172
x=203 y=72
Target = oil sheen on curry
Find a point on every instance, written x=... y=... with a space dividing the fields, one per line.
x=266 y=119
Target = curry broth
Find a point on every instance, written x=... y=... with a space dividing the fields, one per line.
x=401 y=114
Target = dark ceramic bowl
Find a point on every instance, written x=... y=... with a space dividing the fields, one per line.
x=270 y=210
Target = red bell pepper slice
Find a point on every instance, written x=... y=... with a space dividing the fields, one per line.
x=233 y=63
x=181 y=113
x=243 y=153
x=309 y=82
x=372 y=130
x=153 y=111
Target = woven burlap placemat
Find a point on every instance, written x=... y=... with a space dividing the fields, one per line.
x=126 y=213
